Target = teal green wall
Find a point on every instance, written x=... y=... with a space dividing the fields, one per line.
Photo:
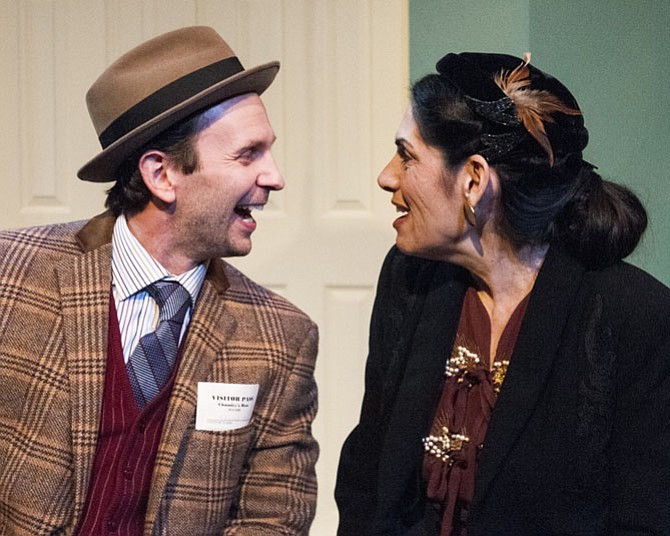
x=614 y=57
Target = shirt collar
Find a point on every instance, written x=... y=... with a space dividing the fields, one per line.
x=133 y=268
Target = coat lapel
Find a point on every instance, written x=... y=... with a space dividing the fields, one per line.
x=84 y=285
x=436 y=318
x=536 y=348
x=210 y=326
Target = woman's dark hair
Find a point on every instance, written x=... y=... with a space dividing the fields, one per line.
x=566 y=203
x=129 y=195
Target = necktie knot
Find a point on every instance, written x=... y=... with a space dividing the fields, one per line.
x=172 y=298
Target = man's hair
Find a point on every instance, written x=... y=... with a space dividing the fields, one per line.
x=129 y=195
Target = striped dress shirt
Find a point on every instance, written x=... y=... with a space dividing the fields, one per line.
x=133 y=269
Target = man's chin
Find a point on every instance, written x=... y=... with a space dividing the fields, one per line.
x=236 y=250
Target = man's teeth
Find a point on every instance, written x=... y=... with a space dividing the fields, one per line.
x=244 y=211
x=249 y=208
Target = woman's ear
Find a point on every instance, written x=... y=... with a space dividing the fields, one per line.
x=477 y=178
x=153 y=166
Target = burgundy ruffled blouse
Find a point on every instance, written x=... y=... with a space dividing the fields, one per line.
x=470 y=387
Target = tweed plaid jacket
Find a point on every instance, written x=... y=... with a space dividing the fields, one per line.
x=54 y=306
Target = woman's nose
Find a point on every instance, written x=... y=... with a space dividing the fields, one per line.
x=388 y=178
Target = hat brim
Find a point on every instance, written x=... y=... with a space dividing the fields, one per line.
x=103 y=167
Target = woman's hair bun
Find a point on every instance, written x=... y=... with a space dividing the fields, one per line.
x=604 y=221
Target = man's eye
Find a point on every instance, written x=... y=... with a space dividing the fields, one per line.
x=249 y=154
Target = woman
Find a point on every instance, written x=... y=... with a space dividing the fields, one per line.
x=518 y=379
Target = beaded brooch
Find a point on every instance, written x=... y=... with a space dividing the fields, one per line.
x=445 y=445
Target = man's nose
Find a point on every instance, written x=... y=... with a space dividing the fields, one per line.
x=270 y=177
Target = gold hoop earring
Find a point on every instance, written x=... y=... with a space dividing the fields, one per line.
x=470 y=215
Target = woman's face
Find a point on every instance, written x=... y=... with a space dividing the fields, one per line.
x=432 y=224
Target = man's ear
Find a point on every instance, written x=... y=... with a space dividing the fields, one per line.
x=477 y=178
x=153 y=166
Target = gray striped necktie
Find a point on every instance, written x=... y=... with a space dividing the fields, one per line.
x=151 y=363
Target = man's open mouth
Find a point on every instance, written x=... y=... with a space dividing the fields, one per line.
x=244 y=211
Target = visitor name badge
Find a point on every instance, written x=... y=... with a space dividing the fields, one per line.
x=224 y=406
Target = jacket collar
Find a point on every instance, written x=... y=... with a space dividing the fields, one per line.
x=98 y=231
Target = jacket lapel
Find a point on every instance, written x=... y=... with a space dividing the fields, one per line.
x=84 y=285
x=536 y=348
x=210 y=326
x=436 y=318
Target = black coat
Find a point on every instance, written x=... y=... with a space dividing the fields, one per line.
x=579 y=438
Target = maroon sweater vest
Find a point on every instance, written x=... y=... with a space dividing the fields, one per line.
x=126 y=451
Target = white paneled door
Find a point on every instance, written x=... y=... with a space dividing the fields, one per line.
x=335 y=105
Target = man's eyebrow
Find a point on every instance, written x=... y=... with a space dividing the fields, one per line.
x=258 y=142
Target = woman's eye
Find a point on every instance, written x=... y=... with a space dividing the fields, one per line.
x=404 y=157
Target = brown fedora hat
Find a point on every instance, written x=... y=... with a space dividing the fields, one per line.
x=159 y=83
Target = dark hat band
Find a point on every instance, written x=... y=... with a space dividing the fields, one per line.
x=168 y=97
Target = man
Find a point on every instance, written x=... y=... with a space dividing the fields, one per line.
x=146 y=386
